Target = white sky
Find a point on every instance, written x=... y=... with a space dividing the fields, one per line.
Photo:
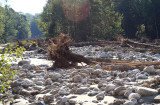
x=26 y=6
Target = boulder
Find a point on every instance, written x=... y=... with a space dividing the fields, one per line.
x=143 y=91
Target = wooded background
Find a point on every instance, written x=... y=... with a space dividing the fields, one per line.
x=84 y=20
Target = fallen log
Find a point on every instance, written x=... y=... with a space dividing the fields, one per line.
x=128 y=66
x=62 y=55
x=128 y=42
x=143 y=63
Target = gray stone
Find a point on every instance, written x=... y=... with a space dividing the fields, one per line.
x=143 y=91
x=98 y=66
x=129 y=103
x=118 y=101
x=48 y=81
x=27 y=81
x=142 y=76
x=48 y=98
x=140 y=101
x=77 y=78
x=97 y=72
x=134 y=95
x=100 y=96
x=158 y=72
x=121 y=93
x=103 y=55
x=119 y=82
x=40 y=83
x=134 y=100
x=16 y=90
x=38 y=87
x=90 y=70
x=149 y=69
x=72 y=102
x=64 y=99
x=81 y=90
x=93 y=93
x=27 y=66
x=24 y=92
x=157 y=99
x=20 y=63
x=63 y=92
x=128 y=92
x=54 y=76
x=110 y=87
x=118 y=89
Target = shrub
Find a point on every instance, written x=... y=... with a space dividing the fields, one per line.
x=6 y=73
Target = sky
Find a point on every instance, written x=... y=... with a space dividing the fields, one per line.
x=26 y=6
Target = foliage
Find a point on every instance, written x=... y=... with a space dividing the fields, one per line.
x=82 y=19
x=140 y=12
x=13 y=25
x=7 y=74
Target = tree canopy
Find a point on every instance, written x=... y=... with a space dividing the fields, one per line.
x=13 y=25
x=82 y=19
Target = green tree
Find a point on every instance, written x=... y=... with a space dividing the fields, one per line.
x=13 y=25
x=82 y=19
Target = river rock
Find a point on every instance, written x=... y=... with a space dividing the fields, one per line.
x=20 y=63
x=158 y=72
x=149 y=69
x=82 y=90
x=100 y=96
x=27 y=81
x=90 y=70
x=157 y=99
x=77 y=78
x=63 y=92
x=48 y=81
x=27 y=66
x=97 y=72
x=103 y=55
x=98 y=66
x=118 y=101
x=93 y=93
x=48 y=98
x=143 y=91
x=118 y=89
x=142 y=76
x=134 y=95
x=16 y=90
x=55 y=76
x=128 y=92
x=40 y=83
x=110 y=87
x=129 y=103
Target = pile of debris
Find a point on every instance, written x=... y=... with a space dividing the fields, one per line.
x=62 y=55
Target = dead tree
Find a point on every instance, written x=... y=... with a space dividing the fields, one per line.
x=62 y=55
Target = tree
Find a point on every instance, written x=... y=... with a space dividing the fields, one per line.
x=13 y=25
x=82 y=19
x=137 y=13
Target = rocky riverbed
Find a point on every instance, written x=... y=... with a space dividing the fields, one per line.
x=89 y=85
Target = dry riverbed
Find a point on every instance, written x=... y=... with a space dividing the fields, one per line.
x=89 y=85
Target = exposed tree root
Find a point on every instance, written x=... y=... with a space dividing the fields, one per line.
x=61 y=54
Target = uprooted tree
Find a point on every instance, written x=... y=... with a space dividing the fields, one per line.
x=64 y=58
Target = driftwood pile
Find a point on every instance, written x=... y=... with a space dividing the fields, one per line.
x=63 y=57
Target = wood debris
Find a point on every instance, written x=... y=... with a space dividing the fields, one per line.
x=62 y=55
